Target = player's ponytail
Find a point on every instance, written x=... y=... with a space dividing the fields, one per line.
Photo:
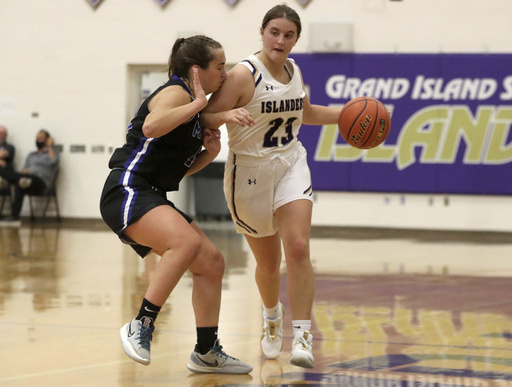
x=187 y=52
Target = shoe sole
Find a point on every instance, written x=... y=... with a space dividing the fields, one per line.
x=192 y=367
x=128 y=349
x=272 y=356
x=302 y=362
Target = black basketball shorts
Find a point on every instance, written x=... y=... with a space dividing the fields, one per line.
x=125 y=199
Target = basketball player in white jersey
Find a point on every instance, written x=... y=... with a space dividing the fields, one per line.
x=267 y=181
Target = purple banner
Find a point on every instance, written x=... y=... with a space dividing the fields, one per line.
x=451 y=122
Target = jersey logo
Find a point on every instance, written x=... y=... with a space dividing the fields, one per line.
x=251 y=181
x=198 y=131
x=269 y=87
x=192 y=158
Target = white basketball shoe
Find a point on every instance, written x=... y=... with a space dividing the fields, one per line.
x=302 y=350
x=272 y=336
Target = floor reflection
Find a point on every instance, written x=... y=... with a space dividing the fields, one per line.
x=29 y=265
x=392 y=309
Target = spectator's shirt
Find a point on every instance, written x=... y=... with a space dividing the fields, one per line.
x=12 y=151
x=40 y=163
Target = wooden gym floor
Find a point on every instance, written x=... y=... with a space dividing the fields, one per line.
x=392 y=309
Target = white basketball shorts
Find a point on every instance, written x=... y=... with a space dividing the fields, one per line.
x=255 y=187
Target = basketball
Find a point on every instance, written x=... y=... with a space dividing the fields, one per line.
x=364 y=122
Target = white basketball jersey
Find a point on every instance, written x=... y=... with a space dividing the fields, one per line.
x=276 y=108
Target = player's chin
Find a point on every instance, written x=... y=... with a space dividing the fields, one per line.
x=279 y=54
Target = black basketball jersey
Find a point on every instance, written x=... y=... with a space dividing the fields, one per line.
x=162 y=161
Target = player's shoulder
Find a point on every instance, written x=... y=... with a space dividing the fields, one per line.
x=246 y=68
x=291 y=64
x=241 y=74
x=169 y=96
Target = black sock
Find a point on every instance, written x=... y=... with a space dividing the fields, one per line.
x=206 y=339
x=147 y=309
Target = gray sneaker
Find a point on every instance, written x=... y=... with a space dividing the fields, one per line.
x=218 y=362
x=136 y=337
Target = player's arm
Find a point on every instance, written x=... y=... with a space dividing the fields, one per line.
x=171 y=107
x=211 y=149
x=318 y=114
x=225 y=105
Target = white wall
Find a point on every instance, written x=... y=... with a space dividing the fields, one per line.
x=69 y=68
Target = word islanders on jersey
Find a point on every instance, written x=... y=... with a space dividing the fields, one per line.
x=284 y=105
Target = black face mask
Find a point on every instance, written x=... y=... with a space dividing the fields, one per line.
x=40 y=144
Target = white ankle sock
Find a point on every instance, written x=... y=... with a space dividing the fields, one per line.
x=272 y=313
x=301 y=326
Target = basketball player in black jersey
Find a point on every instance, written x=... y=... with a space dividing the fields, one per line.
x=166 y=142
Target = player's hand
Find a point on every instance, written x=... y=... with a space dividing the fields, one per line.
x=198 y=89
x=239 y=116
x=50 y=141
x=211 y=141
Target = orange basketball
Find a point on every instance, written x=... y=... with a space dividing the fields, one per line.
x=364 y=122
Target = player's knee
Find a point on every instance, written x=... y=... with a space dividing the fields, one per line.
x=190 y=247
x=298 y=250
x=209 y=264
x=269 y=267
x=216 y=263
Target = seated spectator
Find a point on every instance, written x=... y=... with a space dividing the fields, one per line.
x=37 y=174
x=7 y=152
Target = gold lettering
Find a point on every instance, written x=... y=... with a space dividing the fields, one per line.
x=473 y=130
x=424 y=130
x=499 y=152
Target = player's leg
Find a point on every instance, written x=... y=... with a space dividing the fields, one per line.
x=250 y=197
x=207 y=271
x=169 y=234
x=267 y=252
x=294 y=220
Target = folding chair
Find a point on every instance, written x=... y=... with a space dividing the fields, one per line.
x=6 y=195
x=49 y=194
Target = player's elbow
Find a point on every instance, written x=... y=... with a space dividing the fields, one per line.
x=149 y=129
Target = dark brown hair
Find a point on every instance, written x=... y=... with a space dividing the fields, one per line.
x=46 y=133
x=187 y=52
x=279 y=11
